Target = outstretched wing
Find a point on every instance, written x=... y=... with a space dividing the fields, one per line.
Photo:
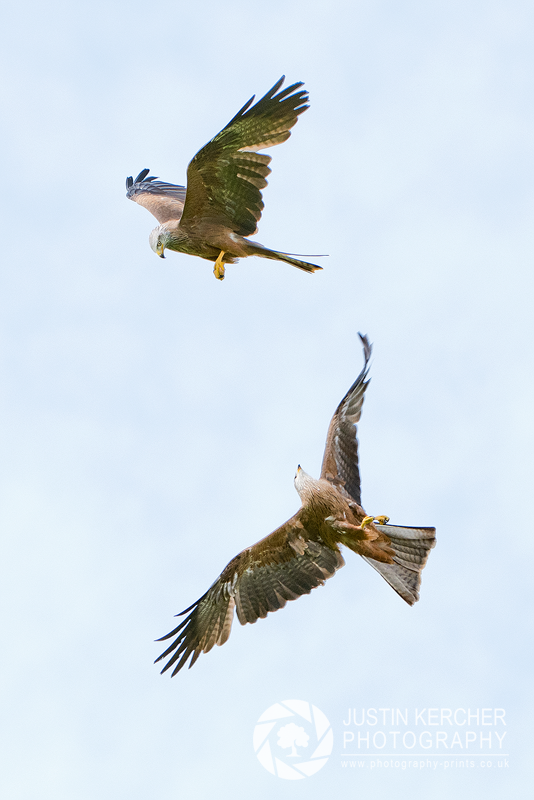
x=225 y=178
x=164 y=200
x=340 y=461
x=262 y=578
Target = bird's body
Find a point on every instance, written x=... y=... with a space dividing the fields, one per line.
x=303 y=552
x=223 y=203
x=332 y=519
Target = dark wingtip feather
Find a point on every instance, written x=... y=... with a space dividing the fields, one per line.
x=131 y=184
x=300 y=99
x=142 y=175
x=242 y=110
x=276 y=86
x=367 y=347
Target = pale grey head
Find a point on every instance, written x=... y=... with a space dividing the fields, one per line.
x=159 y=239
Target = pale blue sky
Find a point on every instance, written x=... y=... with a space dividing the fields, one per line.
x=152 y=417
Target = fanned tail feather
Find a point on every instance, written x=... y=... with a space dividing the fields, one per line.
x=412 y=547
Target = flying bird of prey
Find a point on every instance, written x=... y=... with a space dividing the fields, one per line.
x=304 y=551
x=223 y=202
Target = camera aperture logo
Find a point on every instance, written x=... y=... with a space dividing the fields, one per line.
x=293 y=739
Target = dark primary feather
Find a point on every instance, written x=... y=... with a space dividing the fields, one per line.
x=164 y=200
x=225 y=178
x=340 y=461
x=262 y=578
x=151 y=185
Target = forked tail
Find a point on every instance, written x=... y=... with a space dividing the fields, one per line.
x=257 y=249
x=412 y=547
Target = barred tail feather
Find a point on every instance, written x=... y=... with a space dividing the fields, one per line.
x=412 y=547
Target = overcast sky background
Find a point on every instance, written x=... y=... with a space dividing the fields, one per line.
x=153 y=417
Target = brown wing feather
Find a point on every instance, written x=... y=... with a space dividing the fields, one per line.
x=225 y=178
x=340 y=460
x=281 y=567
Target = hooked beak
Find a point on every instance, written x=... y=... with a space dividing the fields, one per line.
x=160 y=251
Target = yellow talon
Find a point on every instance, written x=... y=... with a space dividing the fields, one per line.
x=218 y=269
x=368 y=520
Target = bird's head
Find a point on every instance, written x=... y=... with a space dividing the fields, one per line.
x=159 y=239
x=302 y=480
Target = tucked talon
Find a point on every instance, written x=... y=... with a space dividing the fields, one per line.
x=366 y=521
x=218 y=269
x=383 y=520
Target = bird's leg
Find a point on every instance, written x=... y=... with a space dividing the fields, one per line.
x=218 y=269
x=359 y=531
x=348 y=528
